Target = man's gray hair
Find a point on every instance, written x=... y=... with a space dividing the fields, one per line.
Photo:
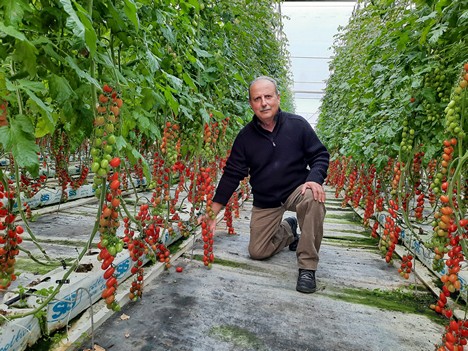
x=264 y=78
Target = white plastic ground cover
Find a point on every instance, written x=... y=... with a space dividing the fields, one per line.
x=86 y=288
x=51 y=196
x=18 y=334
x=80 y=291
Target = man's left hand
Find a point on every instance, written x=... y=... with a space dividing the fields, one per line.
x=317 y=190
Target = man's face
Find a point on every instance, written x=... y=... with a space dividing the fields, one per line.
x=264 y=100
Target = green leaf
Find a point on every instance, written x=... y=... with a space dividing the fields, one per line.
x=134 y=156
x=104 y=59
x=14 y=11
x=143 y=121
x=432 y=15
x=26 y=52
x=5 y=138
x=425 y=32
x=73 y=21
x=120 y=143
x=171 y=101
x=131 y=12
x=175 y=82
x=186 y=112
x=463 y=17
x=45 y=109
x=195 y=4
x=189 y=81
x=49 y=50
x=437 y=33
x=201 y=52
x=43 y=126
x=441 y=4
x=153 y=61
x=117 y=22
x=60 y=89
x=428 y=94
x=205 y=115
x=89 y=33
x=403 y=40
x=24 y=123
x=24 y=149
x=81 y=73
x=36 y=87
x=168 y=34
x=3 y=84
x=8 y=30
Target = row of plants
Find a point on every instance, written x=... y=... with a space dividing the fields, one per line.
x=394 y=117
x=133 y=92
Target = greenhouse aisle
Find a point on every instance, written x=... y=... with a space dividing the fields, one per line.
x=361 y=304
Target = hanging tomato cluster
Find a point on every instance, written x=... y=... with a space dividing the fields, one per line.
x=3 y=113
x=406 y=266
x=105 y=161
x=170 y=145
x=418 y=186
x=61 y=152
x=103 y=150
x=138 y=244
x=351 y=187
x=391 y=232
x=10 y=237
x=31 y=186
x=110 y=244
x=231 y=206
x=455 y=337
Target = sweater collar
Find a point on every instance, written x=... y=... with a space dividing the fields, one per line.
x=278 y=120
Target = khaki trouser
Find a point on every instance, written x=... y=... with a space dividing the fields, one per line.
x=269 y=234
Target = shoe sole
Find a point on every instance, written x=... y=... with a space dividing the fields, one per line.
x=306 y=291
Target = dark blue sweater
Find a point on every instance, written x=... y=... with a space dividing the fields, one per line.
x=278 y=162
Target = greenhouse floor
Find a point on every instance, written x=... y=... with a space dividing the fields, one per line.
x=240 y=304
x=361 y=303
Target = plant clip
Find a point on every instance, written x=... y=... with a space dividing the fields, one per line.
x=62 y=281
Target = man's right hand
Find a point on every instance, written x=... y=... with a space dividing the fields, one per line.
x=210 y=223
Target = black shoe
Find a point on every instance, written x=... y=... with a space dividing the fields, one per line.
x=293 y=224
x=306 y=281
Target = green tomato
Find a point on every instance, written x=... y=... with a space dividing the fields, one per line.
x=102 y=172
x=112 y=250
x=109 y=128
x=104 y=242
x=111 y=139
x=108 y=149
x=97 y=142
x=104 y=163
x=95 y=167
x=119 y=246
